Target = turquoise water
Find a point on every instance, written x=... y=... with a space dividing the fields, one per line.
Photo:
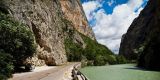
x=119 y=72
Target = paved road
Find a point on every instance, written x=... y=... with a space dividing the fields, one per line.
x=55 y=73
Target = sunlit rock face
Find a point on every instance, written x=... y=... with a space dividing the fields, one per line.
x=46 y=19
x=142 y=39
x=74 y=12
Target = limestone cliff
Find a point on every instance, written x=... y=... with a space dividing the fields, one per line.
x=74 y=12
x=142 y=39
x=48 y=21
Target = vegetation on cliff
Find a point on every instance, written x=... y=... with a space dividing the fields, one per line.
x=99 y=54
x=16 y=44
x=93 y=52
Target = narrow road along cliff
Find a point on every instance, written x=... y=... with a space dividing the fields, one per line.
x=53 y=73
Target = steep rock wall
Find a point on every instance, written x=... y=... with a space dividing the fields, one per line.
x=142 y=39
x=73 y=11
x=47 y=21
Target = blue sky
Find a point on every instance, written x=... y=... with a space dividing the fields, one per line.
x=113 y=3
x=110 y=19
x=109 y=9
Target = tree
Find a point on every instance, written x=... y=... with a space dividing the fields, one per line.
x=16 y=39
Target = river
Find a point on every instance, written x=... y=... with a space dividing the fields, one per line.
x=119 y=72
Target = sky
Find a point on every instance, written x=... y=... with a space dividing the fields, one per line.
x=110 y=19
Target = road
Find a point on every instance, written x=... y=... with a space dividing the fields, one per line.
x=51 y=73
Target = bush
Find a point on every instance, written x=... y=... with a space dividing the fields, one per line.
x=99 y=60
x=6 y=65
x=112 y=59
x=121 y=59
x=16 y=39
x=73 y=50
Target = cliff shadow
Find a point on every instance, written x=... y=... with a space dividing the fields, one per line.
x=142 y=69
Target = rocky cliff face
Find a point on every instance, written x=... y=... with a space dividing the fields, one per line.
x=73 y=11
x=142 y=39
x=47 y=21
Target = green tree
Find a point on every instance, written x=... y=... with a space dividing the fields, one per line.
x=6 y=65
x=16 y=40
x=121 y=59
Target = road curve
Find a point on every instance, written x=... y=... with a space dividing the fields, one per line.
x=56 y=73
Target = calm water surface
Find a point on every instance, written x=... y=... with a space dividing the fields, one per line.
x=119 y=72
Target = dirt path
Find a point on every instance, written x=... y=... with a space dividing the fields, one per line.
x=51 y=73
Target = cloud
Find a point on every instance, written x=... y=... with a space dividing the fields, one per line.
x=135 y=4
x=109 y=28
x=110 y=2
x=90 y=7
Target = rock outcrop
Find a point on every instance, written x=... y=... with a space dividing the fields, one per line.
x=142 y=39
x=73 y=11
x=47 y=20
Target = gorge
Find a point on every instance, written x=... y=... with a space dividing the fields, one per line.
x=55 y=32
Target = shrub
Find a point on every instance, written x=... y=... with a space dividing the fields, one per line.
x=73 y=50
x=6 y=65
x=121 y=59
x=112 y=59
x=99 y=60
x=16 y=39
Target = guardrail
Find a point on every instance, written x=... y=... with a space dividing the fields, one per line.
x=76 y=74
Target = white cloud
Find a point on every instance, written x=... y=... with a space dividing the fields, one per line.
x=90 y=7
x=110 y=2
x=109 y=28
x=135 y=4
